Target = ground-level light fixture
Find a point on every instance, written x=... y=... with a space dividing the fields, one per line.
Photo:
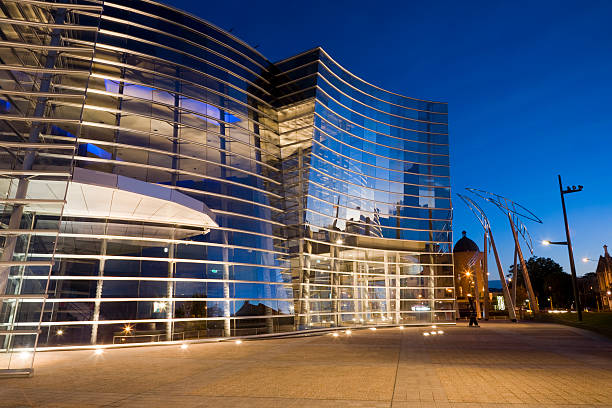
x=59 y=332
x=373 y=328
x=335 y=334
x=98 y=351
x=348 y=332
x=184 y=346
x=238 y=341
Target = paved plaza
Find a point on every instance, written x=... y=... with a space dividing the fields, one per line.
x=497 y=365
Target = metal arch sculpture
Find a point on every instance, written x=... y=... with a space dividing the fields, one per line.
x=477 y=211
x=505 y=203
x=486 y=225
x=522 y=229
x=514 y=211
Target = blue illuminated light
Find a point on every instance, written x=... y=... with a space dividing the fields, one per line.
x=205 y=110
x=5 y=105
x=89 y=147
x=229 y=118
x=56 y=130
x=95 y=150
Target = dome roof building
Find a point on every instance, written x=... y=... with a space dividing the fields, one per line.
x=469 y=274
x=465 y=245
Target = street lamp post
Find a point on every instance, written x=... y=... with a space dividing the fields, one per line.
x=570 y=250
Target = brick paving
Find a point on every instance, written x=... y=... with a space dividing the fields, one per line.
x=498 y=365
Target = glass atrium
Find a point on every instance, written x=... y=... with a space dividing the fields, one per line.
x=162 y=180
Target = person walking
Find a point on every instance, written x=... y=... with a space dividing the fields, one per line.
x=473 y=319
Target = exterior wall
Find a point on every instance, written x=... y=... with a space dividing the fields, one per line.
x=193 y=116
x=330 y=196
x=44 y=70
x=370 y=215
x=186 y=106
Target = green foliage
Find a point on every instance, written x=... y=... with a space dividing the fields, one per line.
x=548 y=281
x=599 y=322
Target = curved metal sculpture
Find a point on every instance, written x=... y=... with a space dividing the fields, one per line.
x=505 y=203
x=514 y=211
x=486 y=225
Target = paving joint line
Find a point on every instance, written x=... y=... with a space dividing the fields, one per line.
x=399 y=355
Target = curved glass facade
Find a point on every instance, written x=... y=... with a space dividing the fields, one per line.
x=368 y=196
x=163 y=181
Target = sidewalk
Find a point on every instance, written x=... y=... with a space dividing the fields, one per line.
x=499 y=365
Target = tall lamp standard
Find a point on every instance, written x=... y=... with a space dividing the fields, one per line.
x=570 y=250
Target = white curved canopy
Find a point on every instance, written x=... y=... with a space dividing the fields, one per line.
x=97 y=194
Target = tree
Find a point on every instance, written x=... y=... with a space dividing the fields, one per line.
x=548 y=281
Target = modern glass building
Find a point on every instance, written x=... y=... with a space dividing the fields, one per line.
x=161 y=180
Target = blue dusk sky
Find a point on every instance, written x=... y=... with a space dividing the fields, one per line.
x=529 y=87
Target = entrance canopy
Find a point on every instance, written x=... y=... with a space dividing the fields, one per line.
x=95 y=194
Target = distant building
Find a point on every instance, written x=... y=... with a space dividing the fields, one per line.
x=604 y=278
x=469 y=273
x=589 y=293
